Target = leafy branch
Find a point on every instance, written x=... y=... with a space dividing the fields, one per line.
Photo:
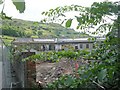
x=19 y=4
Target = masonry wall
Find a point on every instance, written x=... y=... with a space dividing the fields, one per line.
x=31 y=74
x=22 y=69
x=19 y=68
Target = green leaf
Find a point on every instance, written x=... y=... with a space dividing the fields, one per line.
x=43 y=13
x=36 y=23
x=102 y=74
x=68 y=23
x=68 y=81
x=78 y=19
x=78 y=27
x=20 y=5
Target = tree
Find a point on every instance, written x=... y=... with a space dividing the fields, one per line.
x=40 y=33
x=89 y=17
x=106 y=73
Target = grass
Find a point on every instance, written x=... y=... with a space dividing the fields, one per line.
x=48 y=29
x=7 y=39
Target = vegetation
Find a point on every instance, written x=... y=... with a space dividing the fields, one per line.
x=88 y=17
x=22 y=28
x=54 y=56
x=20 y=6
x=104 y=74
x=7 y=40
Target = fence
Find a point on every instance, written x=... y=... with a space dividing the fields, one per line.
x=6 y=66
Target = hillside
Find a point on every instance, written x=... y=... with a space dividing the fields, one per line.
x=22 y=28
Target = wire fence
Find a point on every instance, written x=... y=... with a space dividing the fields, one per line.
x=7 y=75
x=6 y=66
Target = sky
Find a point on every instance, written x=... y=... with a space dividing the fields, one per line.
x=34 y=8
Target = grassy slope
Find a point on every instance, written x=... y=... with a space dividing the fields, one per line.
x=51 y=30
x=7 y=39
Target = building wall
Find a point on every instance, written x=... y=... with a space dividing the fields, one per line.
x=50 y=47
x=57 y=47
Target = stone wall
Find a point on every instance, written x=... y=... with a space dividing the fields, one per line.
x=22 y=68
x=31 y=74
x=19 y=68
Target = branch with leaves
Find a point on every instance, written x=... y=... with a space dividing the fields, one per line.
x=19 y=4
x=88 y=17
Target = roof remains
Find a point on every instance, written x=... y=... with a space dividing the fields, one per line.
x=54 y=40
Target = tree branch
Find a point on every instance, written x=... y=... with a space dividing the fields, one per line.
x=98 y=85
x=111 y=18
x=3 y=6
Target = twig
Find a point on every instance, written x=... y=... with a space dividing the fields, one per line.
x=111 y=18
x=98 y=85
x=3 y=6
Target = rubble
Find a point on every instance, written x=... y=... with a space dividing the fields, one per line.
x=47 y=72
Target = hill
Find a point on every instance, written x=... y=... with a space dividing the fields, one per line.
x=23 y=28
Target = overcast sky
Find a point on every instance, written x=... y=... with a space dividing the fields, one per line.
x=34 y=8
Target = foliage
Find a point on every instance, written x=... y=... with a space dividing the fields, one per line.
x=10 y=31
x=99 y=74
x=54 y=56
x=103 y=74
x=88 y=17
x=68 y=23
x=7 y=40
x=22 y=28
x=20 y=5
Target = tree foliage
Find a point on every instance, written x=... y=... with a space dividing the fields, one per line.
x=88 y=17
x=54 y=56
x=106 y=73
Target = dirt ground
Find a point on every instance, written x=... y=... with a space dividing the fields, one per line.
x=47 y=72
